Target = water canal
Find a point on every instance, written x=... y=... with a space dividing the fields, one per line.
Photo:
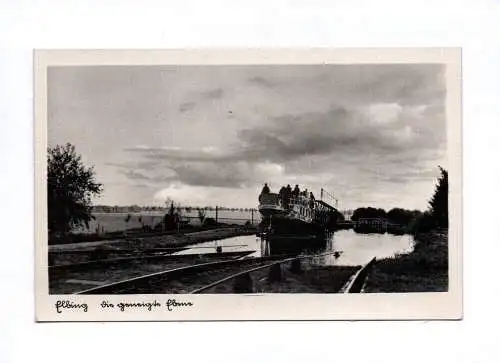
x=354 y=248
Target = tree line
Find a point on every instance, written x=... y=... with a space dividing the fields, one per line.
x=137 y=209
x=395 y=215
x=436 y=216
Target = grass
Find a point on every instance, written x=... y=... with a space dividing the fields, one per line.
x=423 y=270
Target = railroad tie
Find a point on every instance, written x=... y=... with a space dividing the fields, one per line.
x=296 y=266
x=243 y=284
x=275 y=273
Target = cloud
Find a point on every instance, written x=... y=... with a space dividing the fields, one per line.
x=232 y=175
x=186 y=106
x=352 y=128
x=270 y=169
x=214 y=94
x=384 y=113
x=261 y=81
x=134 y=175
x=340 y=139
x=181 y=154
x=141 y=186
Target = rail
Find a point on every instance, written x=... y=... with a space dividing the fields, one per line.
x=83 y=266
x=128 y=285
x=239 y=274
x=359 y=279
x=213 y=284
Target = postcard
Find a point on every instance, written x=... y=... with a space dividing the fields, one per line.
x=248 y=184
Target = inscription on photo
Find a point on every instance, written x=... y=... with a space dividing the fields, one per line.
x=169 y=305
x=62 y=305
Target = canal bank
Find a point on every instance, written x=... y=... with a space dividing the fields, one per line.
x=173 y=240
x=425 y=269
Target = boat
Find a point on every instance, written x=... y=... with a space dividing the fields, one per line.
x=295 y=214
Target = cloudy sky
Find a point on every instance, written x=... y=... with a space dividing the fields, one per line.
x=373 y=135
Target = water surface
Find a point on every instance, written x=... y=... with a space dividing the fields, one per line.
x=352 y=248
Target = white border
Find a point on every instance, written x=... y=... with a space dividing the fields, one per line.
x=270 y=306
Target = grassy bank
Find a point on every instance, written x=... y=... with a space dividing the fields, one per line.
x=134 y=233
x=423 y=270
x=158 y=241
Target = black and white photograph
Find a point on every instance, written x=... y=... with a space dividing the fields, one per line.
x=245 y=179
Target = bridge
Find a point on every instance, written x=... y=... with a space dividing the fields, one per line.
x=377 y=225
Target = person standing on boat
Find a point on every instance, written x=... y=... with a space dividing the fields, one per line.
x=265 y=190
x=311 y=200
x=286 y=196
x=281 y=195
x=296 y=191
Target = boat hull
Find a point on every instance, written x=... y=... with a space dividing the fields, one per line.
x=293 y=244
x=282 y=225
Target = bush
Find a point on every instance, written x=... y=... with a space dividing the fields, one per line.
x=209 y=222
x=422 y=224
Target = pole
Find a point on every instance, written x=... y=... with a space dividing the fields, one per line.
x=252 y=215
x=216 y=215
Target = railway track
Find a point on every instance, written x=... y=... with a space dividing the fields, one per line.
x=180 y=280
x=57 y=258
x=230 y=276
x=291 y=275
x=71 y=278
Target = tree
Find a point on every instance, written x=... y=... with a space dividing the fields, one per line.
x=70 y=187
x=439 y=201
x=401 y=216
x=368 y=212
x=171 y=220
x=201 y=215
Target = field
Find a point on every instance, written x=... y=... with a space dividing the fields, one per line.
x=113 y=222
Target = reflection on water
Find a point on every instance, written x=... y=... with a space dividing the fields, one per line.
x=358 y=249
x=344 y=247
x=233 y=244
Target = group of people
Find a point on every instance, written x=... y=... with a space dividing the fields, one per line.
x=286 y=193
